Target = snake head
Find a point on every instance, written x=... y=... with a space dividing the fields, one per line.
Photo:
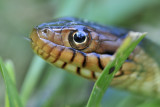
x=79 y=34
x=81 y=47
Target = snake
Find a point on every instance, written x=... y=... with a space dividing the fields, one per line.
x=85 y=48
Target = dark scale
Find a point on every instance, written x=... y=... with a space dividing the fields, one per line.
x=111 y=70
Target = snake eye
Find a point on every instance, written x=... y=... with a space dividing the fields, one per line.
x=79 y=39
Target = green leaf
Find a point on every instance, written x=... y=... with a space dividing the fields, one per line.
x=10 y=68
x=150 y=103
x=14 y=99
x=113 y=66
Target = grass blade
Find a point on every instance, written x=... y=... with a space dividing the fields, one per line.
x=32 y=78
x=10 y=68
x=113 y=66
x=14 y=99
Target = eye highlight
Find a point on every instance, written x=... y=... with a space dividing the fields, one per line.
x=79 y=39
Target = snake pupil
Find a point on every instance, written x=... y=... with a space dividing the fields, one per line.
x=79 y=37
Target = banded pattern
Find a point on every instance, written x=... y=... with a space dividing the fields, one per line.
x=88 y=65
x=55 y=43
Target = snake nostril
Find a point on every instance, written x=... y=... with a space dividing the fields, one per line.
x=45 y=30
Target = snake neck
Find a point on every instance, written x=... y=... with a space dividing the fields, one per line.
x=145 y=81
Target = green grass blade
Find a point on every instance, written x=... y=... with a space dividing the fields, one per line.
x=6 y=100
x=10 y=68
x=32 y=78
x=14 y=99
x=150 y=103
x=52 y=82
x=113 y=66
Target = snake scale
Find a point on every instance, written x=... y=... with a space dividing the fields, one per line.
x=84 y=48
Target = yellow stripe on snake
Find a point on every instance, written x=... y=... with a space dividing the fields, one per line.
x=85 y=48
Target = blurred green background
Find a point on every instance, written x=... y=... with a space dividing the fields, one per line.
x=56 y=87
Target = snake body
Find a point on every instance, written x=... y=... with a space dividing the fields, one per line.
x=85 y=48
